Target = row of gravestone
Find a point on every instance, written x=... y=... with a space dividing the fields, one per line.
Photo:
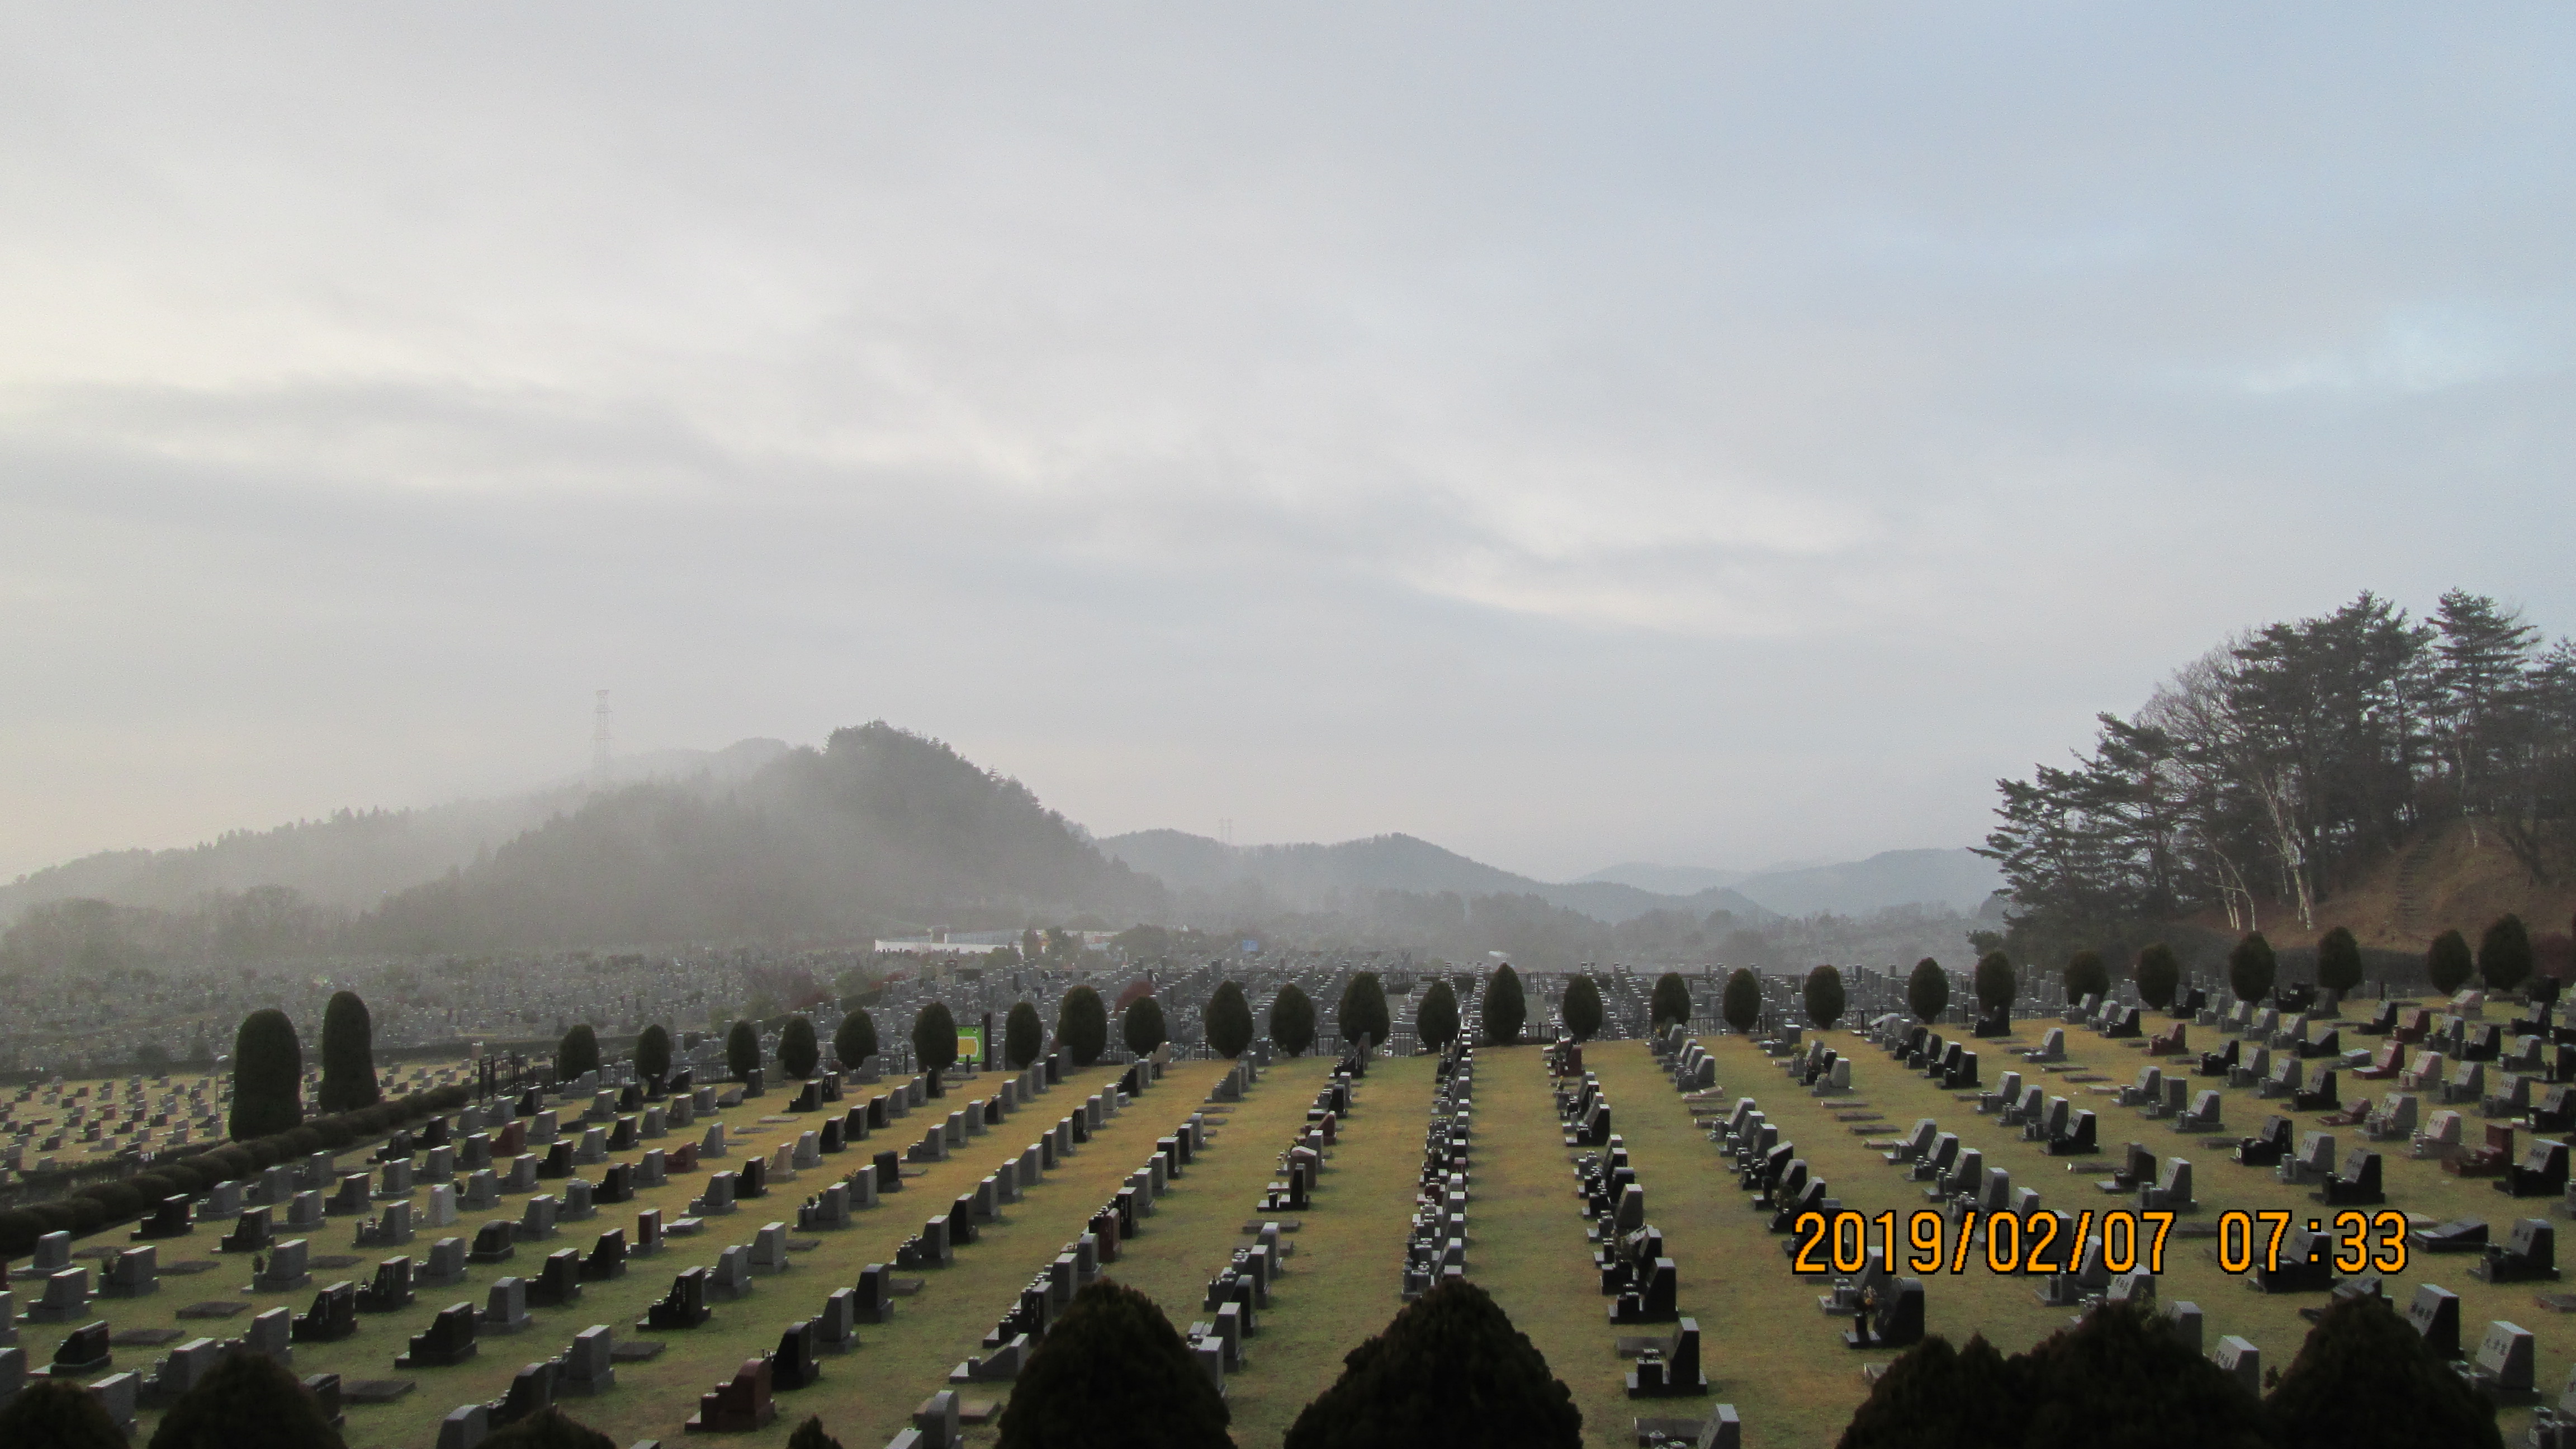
x=1436 y=1248
x=743 y=1402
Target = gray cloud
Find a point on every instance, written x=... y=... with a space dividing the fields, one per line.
x=1707 y=436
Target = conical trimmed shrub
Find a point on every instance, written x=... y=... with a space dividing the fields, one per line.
x=268 y=1076
x=348 y=1056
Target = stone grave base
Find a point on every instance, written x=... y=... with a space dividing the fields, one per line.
x=373 y=1391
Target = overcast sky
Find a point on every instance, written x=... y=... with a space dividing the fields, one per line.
x=1713 y=435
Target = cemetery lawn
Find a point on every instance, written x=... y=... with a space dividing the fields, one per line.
x=1780 y=1361
x=863 y=1397
x=1344 y=1281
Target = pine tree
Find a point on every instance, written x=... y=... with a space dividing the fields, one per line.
x=1671 y=1001
x=2159 y=976
x=856 y=1039
x=653 y=1054
x=1082 y=1026
x=2448 y=963
x=1741 y=1003
x=348 y=1056
x=1363 y=1011
x=1435 y=1021
x=1023 y=1036
x=742 y=1050
x=1996 y=986
x=1580 y=1008
x=934 y=1037
x=2338 y=960
x=799 y=1051
x=577 y=1053
x=1449 y=1372
x=1506 y=1010
x=2086 y=976
x=1229 y=1020
x=246 y=1398
x=1824 y=997
x=2365 y=1377
x=2251 y=968
x=1927 y=991
x=1113 y=1374
x=1142 y=1027
x=268 y=1076
x=1292 y=1020
x=2504 y=954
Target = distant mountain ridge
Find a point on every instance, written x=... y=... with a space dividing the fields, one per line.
x=1316 y=877
x=354 y=859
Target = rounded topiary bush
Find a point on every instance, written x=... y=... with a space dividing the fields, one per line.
x=1927 y=990
x=1994 y=981
x=1229 y=1020
x=58 y=1414
x=1113 y=1374
x=1506 y=1008
x=2252 y=968
x=1580 y=1007
x=1741 y=1002
x=1024 y=1035
x=19 y=1230
x=934 y=1037
x=348 y=1056
x=855 y=1039
x=1824 y=997
x=268 y=1076
x=1671 y=1000
x=1449 y=1372
x=1292 y=1020
x=742 y=1050
x=653 y=1054
x=2159 y=976
x=2365 y=1377
x=577 y=1053
x=1082 y=1026
x=247 y=1398
x=1362 y=1011
x=2086 y=975
x=1142 y=1025
x=1435 y=1021
x=800 y=1052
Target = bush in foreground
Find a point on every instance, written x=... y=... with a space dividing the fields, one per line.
x=1449 y=1372
x=856 y=1039
x=1113 y=1374
x=247 y=1398
x=1229 y=1020
x=2365 y=1378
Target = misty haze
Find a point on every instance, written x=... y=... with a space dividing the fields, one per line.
x=626 y=622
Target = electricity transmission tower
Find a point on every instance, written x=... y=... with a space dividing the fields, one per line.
x=599 y=741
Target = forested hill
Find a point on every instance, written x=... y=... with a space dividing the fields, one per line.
x=2272 y=778
x=880 y=829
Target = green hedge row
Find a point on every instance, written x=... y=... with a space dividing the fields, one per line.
x=93 y=1208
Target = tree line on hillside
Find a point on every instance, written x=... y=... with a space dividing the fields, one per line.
x=2282 y=764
